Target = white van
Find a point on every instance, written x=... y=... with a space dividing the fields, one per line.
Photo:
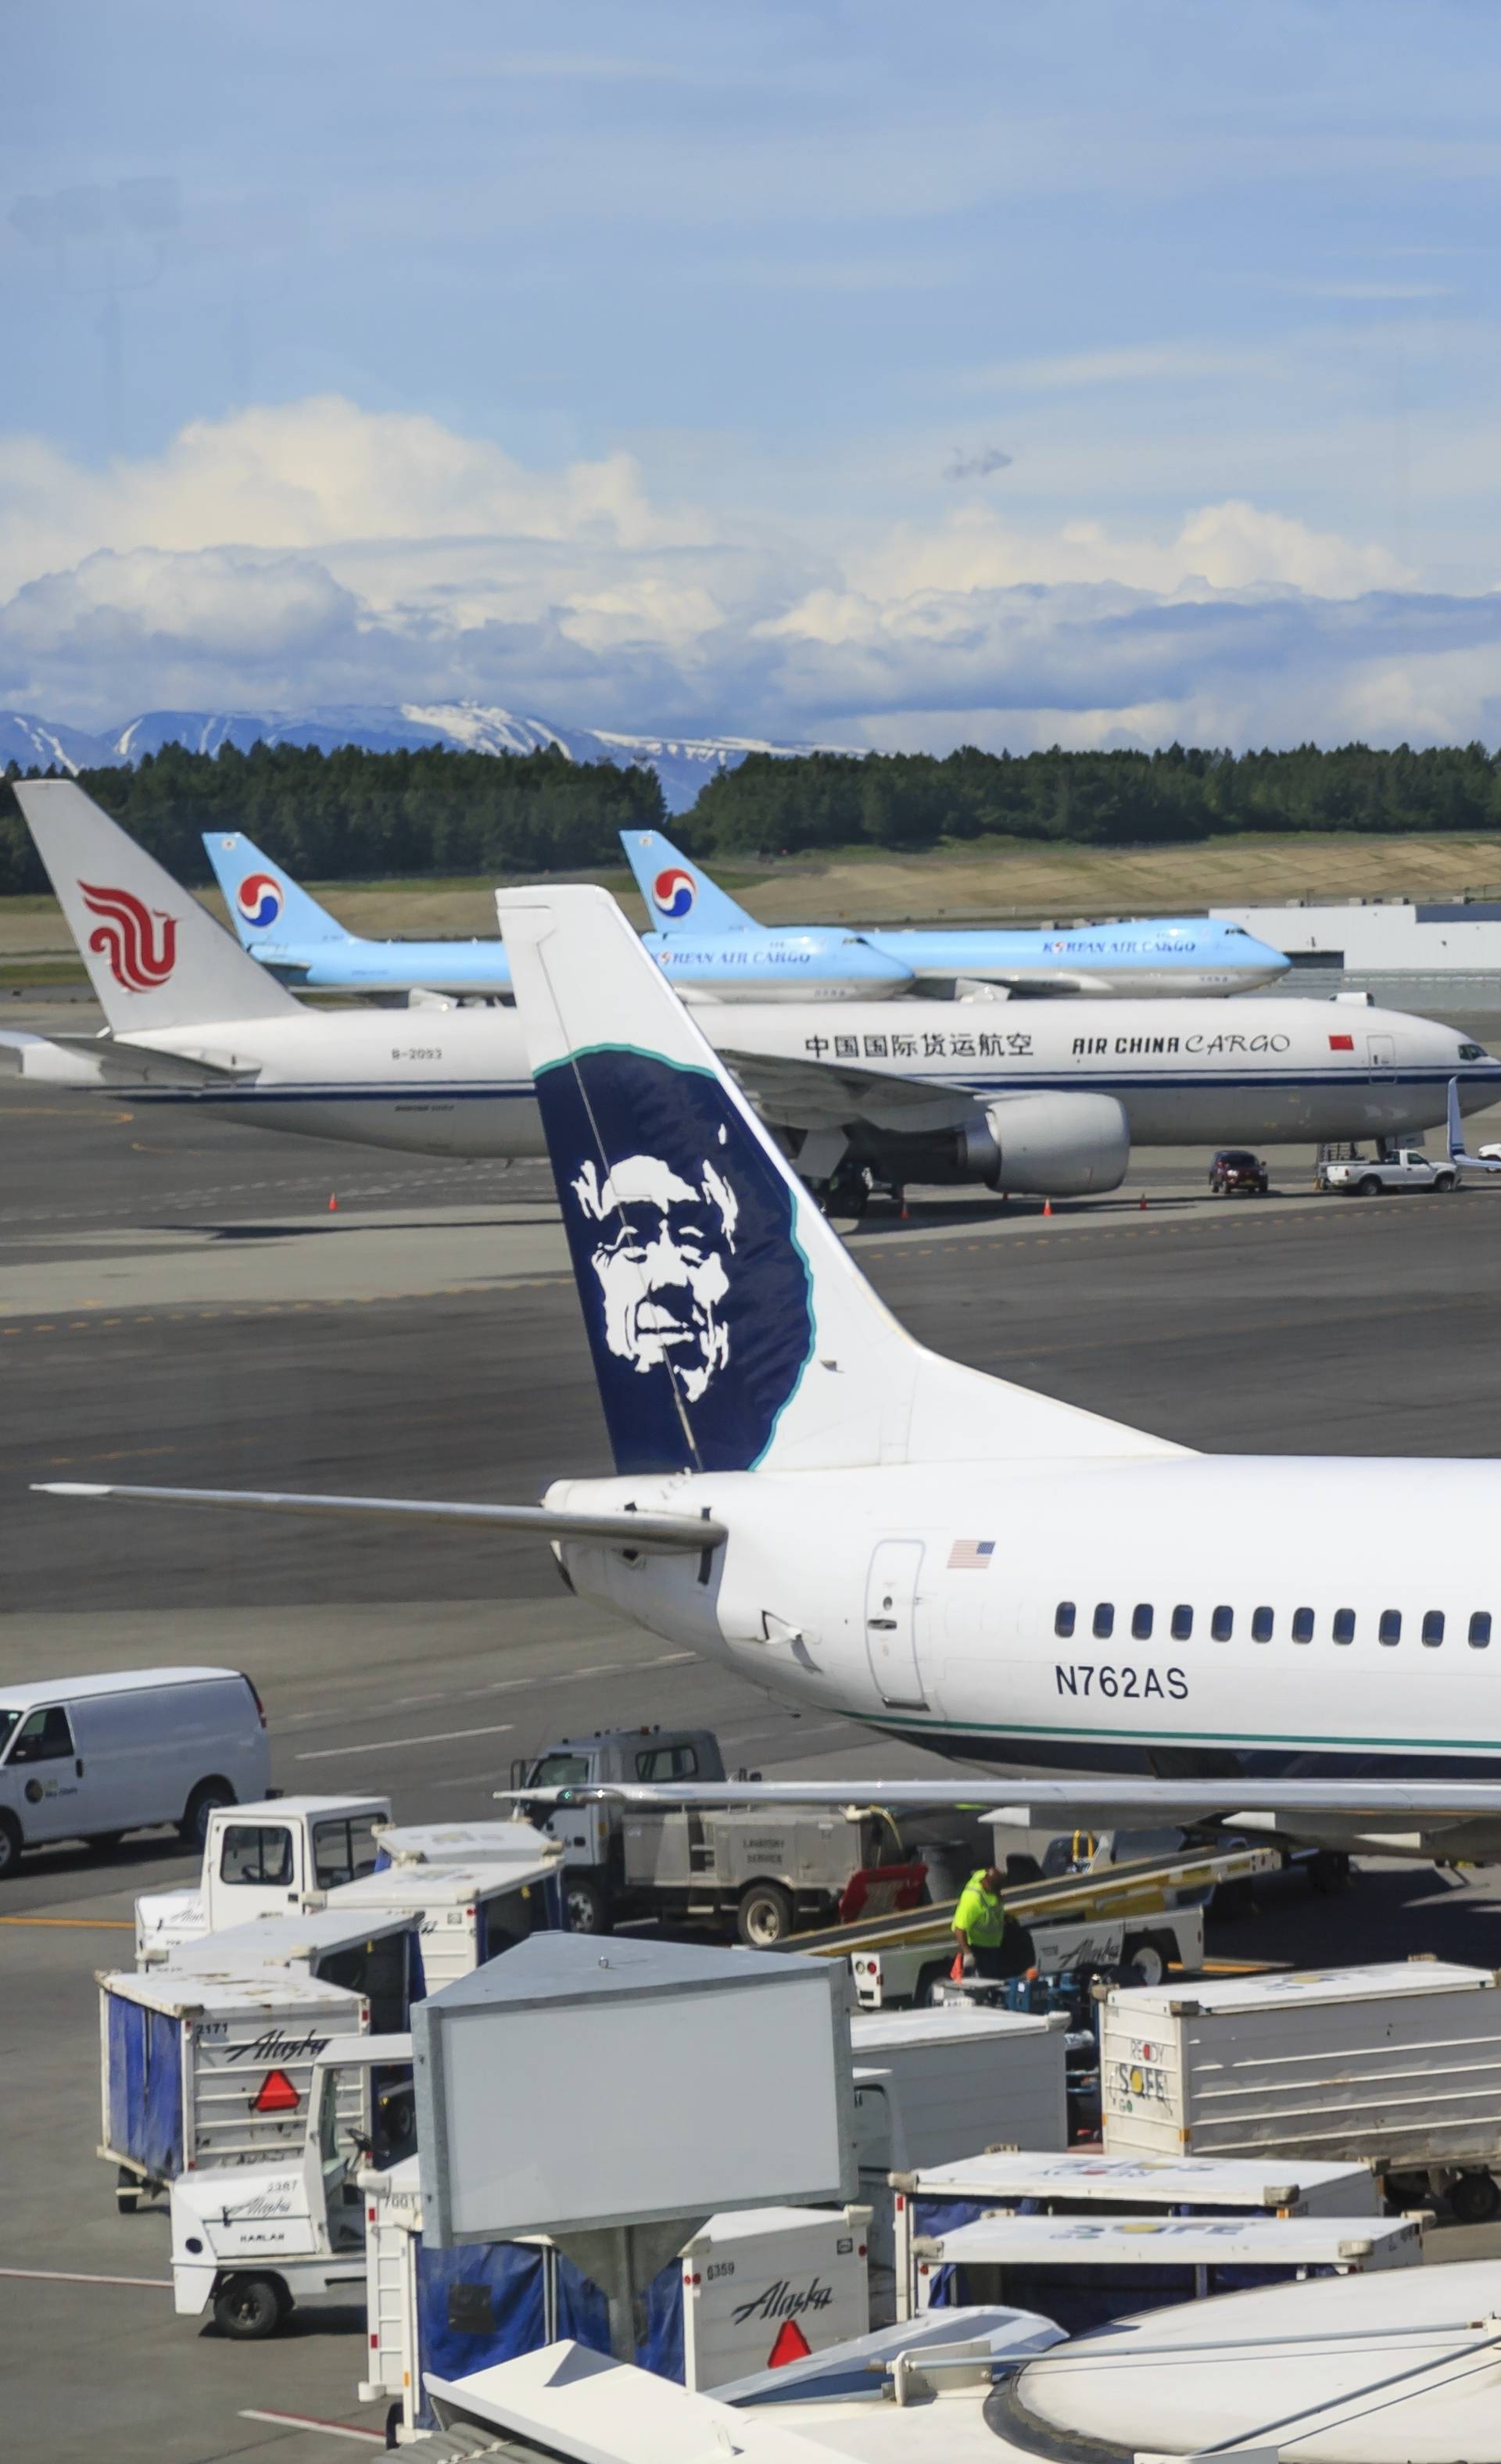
x=92 y=1757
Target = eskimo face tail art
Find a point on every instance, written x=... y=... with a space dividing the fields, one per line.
x=696 y=1295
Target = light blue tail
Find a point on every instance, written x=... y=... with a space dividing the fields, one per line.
x=681 y=897
x=264 y=902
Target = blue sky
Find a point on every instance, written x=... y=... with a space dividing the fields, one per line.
x=997 y=372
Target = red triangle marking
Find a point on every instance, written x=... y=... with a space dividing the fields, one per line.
x=791 y=2346
x=277 y=2094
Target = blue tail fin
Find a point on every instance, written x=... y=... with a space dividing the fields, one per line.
x=730 y=1327
x=264 y=902
x=681 y=897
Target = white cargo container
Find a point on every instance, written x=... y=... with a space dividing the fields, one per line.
x=464 y=1914
x=460 y=1844
x=939 y=2198
x=748 y=2284
x=934 y=2085
x=202 y=2071
x=1398 y=2066
x=959 y=2081
x=374 y=1953
x=1085 y=2270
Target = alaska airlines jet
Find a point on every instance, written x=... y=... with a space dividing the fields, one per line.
x=303 y=945
x=1046 y=1097
x=1181 y=955
x=803 y=1494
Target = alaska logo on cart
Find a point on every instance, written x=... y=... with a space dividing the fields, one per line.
x=272 y=2047
x=696 y=1295
x=786 y=2301
x=277 y=2200
x=138 y=956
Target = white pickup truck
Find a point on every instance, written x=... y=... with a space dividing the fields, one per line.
x=1373 y=1176
x=265 y=1859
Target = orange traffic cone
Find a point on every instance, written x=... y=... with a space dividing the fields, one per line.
x=1047 y=1205
x=333 y=1203
x=1144 y=1207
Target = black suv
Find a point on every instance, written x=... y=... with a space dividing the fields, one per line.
x=1236 y=1173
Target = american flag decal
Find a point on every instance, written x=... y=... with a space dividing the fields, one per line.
x=971 y=1556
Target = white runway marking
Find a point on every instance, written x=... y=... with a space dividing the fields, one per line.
x=388 y=1744
x=311 y=2421
x=64 y=2275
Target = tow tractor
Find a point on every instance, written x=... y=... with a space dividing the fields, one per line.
x=250 y=2240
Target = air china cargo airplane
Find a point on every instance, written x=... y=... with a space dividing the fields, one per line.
x=1182 y=955
x=1043 y=1097
x=303 y=945
x=804 y=1494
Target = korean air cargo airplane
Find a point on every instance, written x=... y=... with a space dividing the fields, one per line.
x=1182 y=955
x=808 y=1496
x=1046 y=1097
x=302 y=944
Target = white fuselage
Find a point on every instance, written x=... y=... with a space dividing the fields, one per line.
x=456 y=1082
x=857 y=1592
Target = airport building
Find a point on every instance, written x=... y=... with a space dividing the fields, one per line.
x=1446 y=939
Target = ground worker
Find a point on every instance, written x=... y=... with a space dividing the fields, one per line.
x=991 y=1943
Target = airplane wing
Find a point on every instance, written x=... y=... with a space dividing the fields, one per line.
x=650 y=1535
x=1457 y=1152
x=1092 y=1803
x=815 y=1094
x=142 y=1064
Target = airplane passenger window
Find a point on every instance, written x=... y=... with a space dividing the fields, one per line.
x=1389 y=1631
x=1222 y=1625
x=1104 y=1620
x=1433 y=1628
x=1141 y=1622
x=1261 y=1625
x=1183 y=1624
x=1063 y=1622
x=1302 y=1625
x=1344 y=1625
x=1480 y=1630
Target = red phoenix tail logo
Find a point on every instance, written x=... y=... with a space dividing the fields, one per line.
x=138 y=958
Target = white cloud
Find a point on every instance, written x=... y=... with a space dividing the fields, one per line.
x=320 y=474
x=317 y=553
x=1230 y=546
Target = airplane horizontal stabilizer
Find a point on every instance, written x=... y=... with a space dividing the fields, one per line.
x=650 y=1535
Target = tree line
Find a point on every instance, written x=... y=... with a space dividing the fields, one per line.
x=353 y=815
x=914 y=799
x=356 y=816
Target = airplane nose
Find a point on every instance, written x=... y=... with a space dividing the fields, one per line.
x=1268 y=962
x=880 y=966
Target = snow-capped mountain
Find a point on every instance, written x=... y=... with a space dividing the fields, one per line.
x=684 y=764
x=36 y=744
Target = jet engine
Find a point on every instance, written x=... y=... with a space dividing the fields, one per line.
x=1054 y=1145
x=1057 y=1145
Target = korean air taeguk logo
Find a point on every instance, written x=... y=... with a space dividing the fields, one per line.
x=258 y=899
x=672 y=892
